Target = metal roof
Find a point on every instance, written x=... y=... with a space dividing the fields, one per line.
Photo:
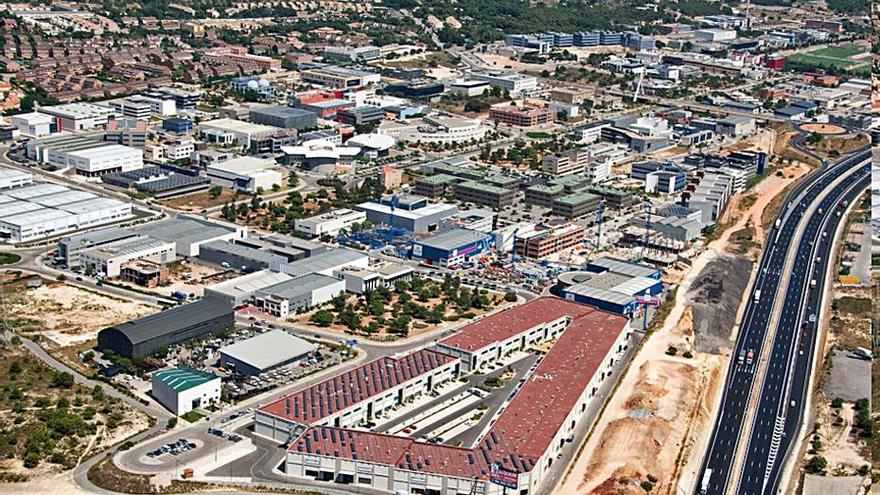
x=453 y=239
x=300 y=286
x=243 y=251
x=323 y=261
x=268 y=349
x=172 y=320
x=183 y=229
x=624 y=267
x=181 y=379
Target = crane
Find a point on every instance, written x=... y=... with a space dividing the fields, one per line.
x=600 y=213
x=638 y=87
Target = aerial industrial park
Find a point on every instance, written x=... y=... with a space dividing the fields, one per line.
x=620 y=247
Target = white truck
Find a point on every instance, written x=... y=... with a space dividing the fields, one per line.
x=758 y=295
x=704 y=483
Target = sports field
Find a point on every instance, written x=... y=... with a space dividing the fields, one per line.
x=842 y=57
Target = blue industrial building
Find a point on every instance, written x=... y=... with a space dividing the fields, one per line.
x=452 y=247
x=177 y=125
x=614 y=285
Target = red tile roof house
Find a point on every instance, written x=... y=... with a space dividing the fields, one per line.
x=524 y=438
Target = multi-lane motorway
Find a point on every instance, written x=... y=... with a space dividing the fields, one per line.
x=795 y=251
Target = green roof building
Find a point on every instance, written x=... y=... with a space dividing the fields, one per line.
x=183 y=389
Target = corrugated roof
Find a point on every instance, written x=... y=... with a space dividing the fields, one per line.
x=181 y=379
x=171 y=320
x=268 y=349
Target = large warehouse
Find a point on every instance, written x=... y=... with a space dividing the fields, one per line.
x=452 y=247
x=355 y=395
x=264 y=352
x=144 y=336
x=524 y=440
x=298 y=293
x=409 y=212
x=35 y=212
x=190 y=232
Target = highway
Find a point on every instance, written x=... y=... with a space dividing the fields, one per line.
x=773 y=268
x=783 y=398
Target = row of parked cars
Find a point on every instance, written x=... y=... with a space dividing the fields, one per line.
x=217 y=432
x=174 y=448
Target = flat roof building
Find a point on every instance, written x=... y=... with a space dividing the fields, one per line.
x=330 y=223
x=264 y=352
x=286 y=117
x=296 y=294
x=190 y=232
x=452 y=247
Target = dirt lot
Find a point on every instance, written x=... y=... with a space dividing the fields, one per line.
x=64 y=314
x=823 y=128
x=189 y=278
x=716 y=296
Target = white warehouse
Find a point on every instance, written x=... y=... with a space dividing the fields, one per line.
x=108 y=260
x=330 y=223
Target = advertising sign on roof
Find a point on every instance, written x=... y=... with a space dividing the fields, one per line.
x=503 y=476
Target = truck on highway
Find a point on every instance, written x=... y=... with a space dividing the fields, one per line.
x=813 y=283
x=750 y=356
x=742 y=356
x=758 y=295
x=778 y=222
x=704 y=483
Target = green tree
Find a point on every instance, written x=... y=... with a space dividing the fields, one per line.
x=322 y=318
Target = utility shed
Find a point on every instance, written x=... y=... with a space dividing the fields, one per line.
x=264 y=352
x=144 y=336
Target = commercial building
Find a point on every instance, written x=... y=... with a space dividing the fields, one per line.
x=127 y=132
x=339 y=77
x=615 y=265
x=327 y=262
x=383 y=274
x=181 y=390
x=484 y=194
x=525 y=439
x=69 y=249
x=239 y=257
x=177 y=125
x=144 y=336
x=548 y=238
x=107 y=261
x=299 y=293
x=245 y=173
x=10 y=178
x=613 y=292
x=573 y=161
x=437 y=129
x=360 y=115
x=524 y=116
x=189 y=233
x=230 y=131
x=479 y=219
x=286 y=117
x=38 y=211
x=264 y=352
x=105 y=159
x=452 y=247
x=330 y=223
x=238 y=290
x=576 y=205
x=35 y=124
x=515 y=84
x=321 y=155
x=412 y=213
x=79 y=116
x=469 y=87
x=356 y=395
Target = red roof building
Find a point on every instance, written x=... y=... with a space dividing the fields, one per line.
x=524 y=438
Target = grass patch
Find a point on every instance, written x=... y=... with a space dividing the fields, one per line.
x=9 y=258
x=855 y=306
x=192 y=416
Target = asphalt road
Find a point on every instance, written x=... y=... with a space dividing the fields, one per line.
x=773 y=269
x=783 y=398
